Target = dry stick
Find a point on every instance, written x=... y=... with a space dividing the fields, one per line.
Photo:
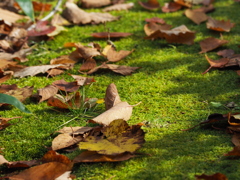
x=55 y=9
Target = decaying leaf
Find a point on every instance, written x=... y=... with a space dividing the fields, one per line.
x=119 y=7
x=179 y=34
x=150 y=4
x=94 y=3
x=216 y=63
x=196 y=16
x=34 y=70
x=47 y=92
x=88 y=65
x=93 y=156
x=216 y=176
x=171 y=7
x=124 y=70
x=77 y=16
x=226 y=53
x=221 y=26
x=41 y=29
x=210 y=44
x=38 y=6
x=66 y=86
x=118 y=137
x=121 y=110
x=104 y=35
x=111 y=96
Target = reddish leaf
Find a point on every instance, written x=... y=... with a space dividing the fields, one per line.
x=41 y=29
x=171 y=7
x=38 y=6
x=234 y=152
x=221 y=26
x=217 y=176
x=210 y=44
x=216 y=63
x=150 y=4
x=93 y=156
x=111 y=35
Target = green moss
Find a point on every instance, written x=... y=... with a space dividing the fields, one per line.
x=174 y=95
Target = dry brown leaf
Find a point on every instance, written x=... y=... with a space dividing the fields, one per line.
x=41 y=7
x=94 y=3
x=66 y=86
x=171 y=7
x=124 y=70
x=65 y=140
x=47 y=92
x=20 y=55
x=2 y=160
x=152 y=27
x=111 y=96
x=236 y=139
x=226 y=53
x=205 y=9
x=5 y=88
x=155 y=20
x=11 y=17
x=150 y=4
x=75 y=130
x=88 y=65
x=81 y=81
x=234 y=60
x=110 y=35
x=121 y=110
x=4 y=76
x=4 y=123
x=34 y=70
x=64 y=59
x=23 y=164
x=77 y=16
x=93 y=156
x=119 y=7
x=222 y=26
x=21 y=93
x=195 y=16
x=234 y=152
x=217 y=176
x=179 y=34
x=210 y=44
x=114 y=56
x=216 y=63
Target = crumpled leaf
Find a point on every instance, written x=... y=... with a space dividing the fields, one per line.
x=117 y=138
x=216 y=176
x=171 y=7
x=210 y=44
x=179 y=34
x=110 y=35
x=119 y=7
x=94 y=3
x=41 y=29
x=196 y=16
x=34 y=70
x=111 y=96
x=222 y=26
x=216 y=63
x=93 y=156
x=150 y=4
x=124 y=70
x=47 y=92
x=77 y=16
x=121 y=110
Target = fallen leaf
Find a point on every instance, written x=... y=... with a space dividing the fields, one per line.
x=179 y=34
x=155 y=20
x=59 y=20
x=21 y=93
x=216 y=176
x=77 y=16
x=234 y=119
x=47 y=92
x=81 y=81
x=205 y=9
x=5 y=88
x=41 y=29
x=4 y=76
x=119 y=7
x=114 y=56
x=236 y=139
x=93 y=156
x=88 y=65
x=216 y=63
x=94 y=3
x=4 y=123
x=118 y=137
x=222 y=26
x=34 y=70
x=226 y=53
x=210 y=44
x=152 y=27
x=171 y=7
x=41 y=7
x=121 y=110
x=66 y=86
x=10 y=17
x=105 y=35
x=20 y=55
x=150 y=4
x=124 y=70
x=111 y=96
x=195 y=16
x=75 y=130
x=2 y=160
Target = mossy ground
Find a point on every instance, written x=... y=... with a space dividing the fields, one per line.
x=174 y=95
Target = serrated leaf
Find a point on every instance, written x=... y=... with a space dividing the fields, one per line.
x=27 y=7
x=4 y=98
